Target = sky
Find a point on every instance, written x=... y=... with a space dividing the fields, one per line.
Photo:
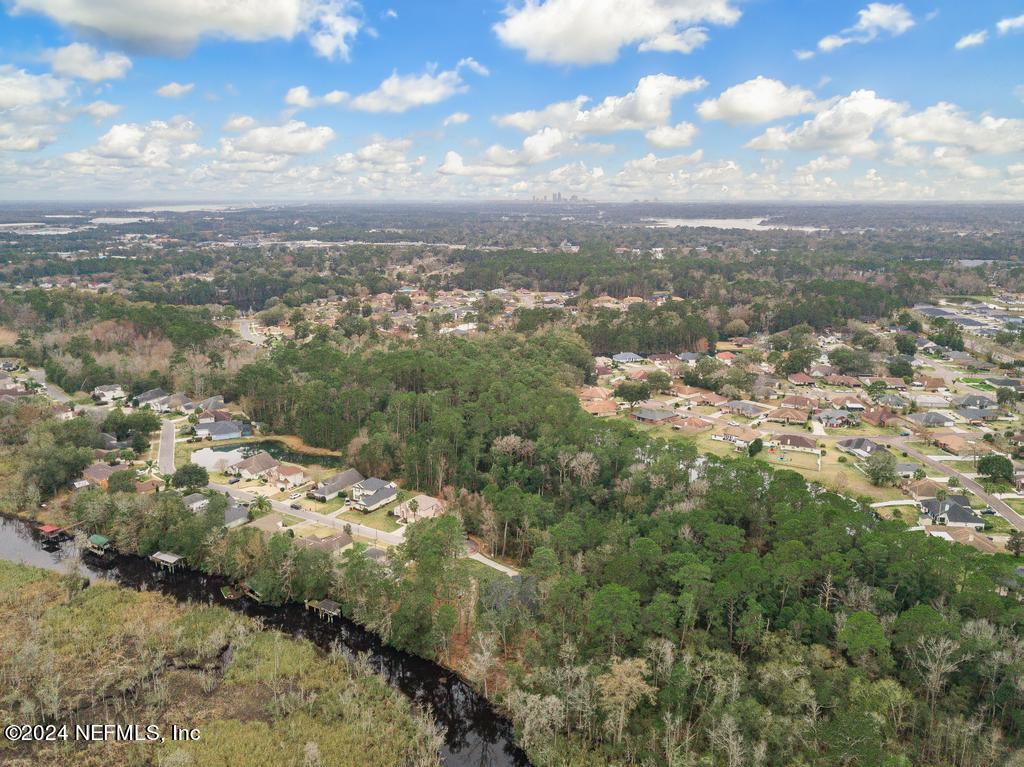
x=674 y=100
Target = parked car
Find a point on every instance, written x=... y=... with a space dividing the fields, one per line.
x=297 y=506
x=234 y=480
x=293 y=496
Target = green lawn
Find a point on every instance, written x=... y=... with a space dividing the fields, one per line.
x=380 y=519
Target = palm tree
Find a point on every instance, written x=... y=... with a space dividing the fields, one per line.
x=261 y=506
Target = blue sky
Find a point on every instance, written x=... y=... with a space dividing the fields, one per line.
x=605 y=99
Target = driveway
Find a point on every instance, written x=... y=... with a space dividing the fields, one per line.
x=1000 y=507
x=54 y=392
x=165 y=456
x=245 y=331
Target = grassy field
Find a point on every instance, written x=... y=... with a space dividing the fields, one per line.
x=108 y=654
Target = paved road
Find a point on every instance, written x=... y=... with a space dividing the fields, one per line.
x=491 y=563
x=55 y=393
x=312 y=516
x=1000 y=507
x=165 y=456
x=245 y=331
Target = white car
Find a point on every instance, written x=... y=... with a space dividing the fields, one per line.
x=293 y=496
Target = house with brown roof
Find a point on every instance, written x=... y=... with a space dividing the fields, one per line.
x=600 y=408
x=878 y=416
x=593 y=392
x=801 y=379
x=797 y=443
x=98 y=474
x=286 y=475
x=799 y=401
x=841 y=380
x=419 y=507
x=924 y=488
x=692 y=423
x=787 y=415
x=254 y=467
x=740 y=436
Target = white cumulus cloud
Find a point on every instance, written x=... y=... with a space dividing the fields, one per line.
x=1013 y=24
x=399 y=93
x=846 y=126
x=174 y=90
x=671 y=136
x=86 y=63
x=300 y=98
x=292 y=138
x=971 y=40
x=647 y=106
x=755 y=101
x=594 y=31
x=872 y=21
x=329 y=25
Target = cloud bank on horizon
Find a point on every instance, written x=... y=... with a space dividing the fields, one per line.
x=602 y=99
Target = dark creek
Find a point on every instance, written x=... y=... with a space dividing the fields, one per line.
x=475 y=734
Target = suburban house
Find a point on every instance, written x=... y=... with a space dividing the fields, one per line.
x=894 y=402
x=797 y=443
x=107 y=393
x=372 y=493
x=334 y=485
x=235 y=514
x=954 y=511
x=836 y=418
x=151 y=485
x=929 y=420
x=878 y=416
x=219 y=430
x=709 y=398
x=787 y=415
x=801 y=379
x=799 y=401
x=286 y=475
x=848 y=402
x=740 y=436
x=924 y=488
x=180 y=402
x=648 y=416
x=600 y=407
x=255 y=467
x=861 y=447
x=743 y=408
x=196 y=502
x=211 y=403
x=953 y=443
x=420 y=507
x=627 y=357
x=692 y=423
x=154 y=399
x=978 y=415
x=99 y=473
x=974 y=401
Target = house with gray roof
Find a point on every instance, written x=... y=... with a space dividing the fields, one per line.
x=954 y=511
x=862 y=447
x=372 y=493
x=334 y=485
x=623 y=357
x=930 y=419
x=220 y=430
